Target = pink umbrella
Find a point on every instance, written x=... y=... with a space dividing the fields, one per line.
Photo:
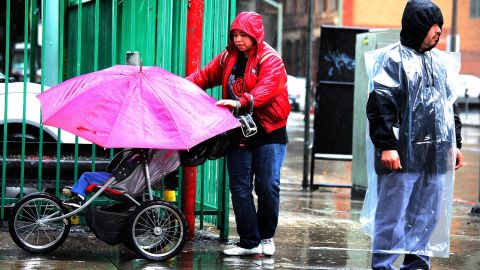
x=134 y=107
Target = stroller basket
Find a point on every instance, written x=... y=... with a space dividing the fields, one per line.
x=109 y=224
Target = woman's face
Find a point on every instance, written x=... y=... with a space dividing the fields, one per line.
x=243 y=41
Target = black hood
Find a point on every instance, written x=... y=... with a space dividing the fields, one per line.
x=418 y=17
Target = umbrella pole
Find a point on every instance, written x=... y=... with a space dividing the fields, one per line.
x=193 y=63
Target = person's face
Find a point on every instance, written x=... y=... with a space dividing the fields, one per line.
x=432 y=38
x=243 y=41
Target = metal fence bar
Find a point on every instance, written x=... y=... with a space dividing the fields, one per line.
x=177 y=60
x=60 y=78
x=207 y=49
x=33 y=40
x=150 y=55
x=77 y=73
x=179 y=37
x=223 y=193
x=42 y=88
x=114 y=44
x=164 y=40
x=5 y=116
x=132 y=25
x=24 y=109
x=95 y=64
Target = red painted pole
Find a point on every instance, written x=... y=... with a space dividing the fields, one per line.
x=193 y=63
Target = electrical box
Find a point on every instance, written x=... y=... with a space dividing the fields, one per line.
x=374 y=39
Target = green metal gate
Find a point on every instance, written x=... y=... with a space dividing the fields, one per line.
x=78 y=37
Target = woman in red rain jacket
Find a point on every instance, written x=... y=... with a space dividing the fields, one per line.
x=252 y=73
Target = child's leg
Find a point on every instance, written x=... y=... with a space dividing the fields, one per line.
x=88 y=178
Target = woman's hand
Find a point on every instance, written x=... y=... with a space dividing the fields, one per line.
x=230 y=103
x=391 y=160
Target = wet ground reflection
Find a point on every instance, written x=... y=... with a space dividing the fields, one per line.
x=317 y=229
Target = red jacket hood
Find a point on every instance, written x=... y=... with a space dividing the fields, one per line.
x=251 y=23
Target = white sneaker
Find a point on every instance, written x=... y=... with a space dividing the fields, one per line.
x=239 y=251
x=268 y=247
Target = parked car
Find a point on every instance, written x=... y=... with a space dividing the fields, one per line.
x=14 y=112
x=296 y=93
x=18 y=63
x=30 y=158
x=468 y=88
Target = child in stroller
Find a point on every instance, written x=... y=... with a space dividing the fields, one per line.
x=162 y=162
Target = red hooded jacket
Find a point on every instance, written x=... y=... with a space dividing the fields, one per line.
x=265 y=76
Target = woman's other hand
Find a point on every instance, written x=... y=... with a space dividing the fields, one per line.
x=230 y=103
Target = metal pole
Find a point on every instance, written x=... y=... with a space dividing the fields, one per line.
x=33 y=44
x=279 y=8
x=476 y=209
x=194 y=61
x=308 y=89
x=453 y=34
x=132 y=58
x=340 y=12
x=51 y=42
x=280 y=29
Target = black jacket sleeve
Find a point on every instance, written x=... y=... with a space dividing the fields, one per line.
x=382 y=116
x=458 y=127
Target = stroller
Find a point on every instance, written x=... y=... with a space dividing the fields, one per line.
x=153 y=228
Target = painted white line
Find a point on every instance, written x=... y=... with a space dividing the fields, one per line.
x=334 y=248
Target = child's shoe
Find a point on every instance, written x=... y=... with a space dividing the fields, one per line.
x=76 y=201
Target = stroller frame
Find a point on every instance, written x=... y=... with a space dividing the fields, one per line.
x=157 y=229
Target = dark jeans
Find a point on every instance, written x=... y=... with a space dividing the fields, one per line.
x=262 y=164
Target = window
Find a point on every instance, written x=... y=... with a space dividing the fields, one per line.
x=289 y=6
x=475 y=8
x=320 y=6
x=332 y=5
x=302 y=7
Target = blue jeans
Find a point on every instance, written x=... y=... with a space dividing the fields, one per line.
x=406 y=216
x=262 y=164
x=88 y=178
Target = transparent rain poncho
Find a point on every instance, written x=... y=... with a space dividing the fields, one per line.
x=415 y=210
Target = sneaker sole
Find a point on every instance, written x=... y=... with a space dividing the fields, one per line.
x=259 y=251
x=72 y=205
x=243 y=254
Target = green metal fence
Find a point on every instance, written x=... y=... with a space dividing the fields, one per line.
x=218 y=16
x=79 y=37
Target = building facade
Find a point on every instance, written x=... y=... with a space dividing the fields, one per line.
x=360 y=13
x=294 y=32
x=388 y=14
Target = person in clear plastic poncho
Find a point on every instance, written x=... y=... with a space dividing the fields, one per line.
x=416 y=140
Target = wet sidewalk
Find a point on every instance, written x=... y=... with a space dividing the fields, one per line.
x=317 y=229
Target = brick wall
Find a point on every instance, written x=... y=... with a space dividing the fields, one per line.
x=388 y=14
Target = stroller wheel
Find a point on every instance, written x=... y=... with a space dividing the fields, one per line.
x=26 y=228
x=158 y=230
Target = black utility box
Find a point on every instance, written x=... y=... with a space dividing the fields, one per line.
x=334 y=90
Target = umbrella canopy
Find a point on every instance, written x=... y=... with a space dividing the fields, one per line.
x=130 y=106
